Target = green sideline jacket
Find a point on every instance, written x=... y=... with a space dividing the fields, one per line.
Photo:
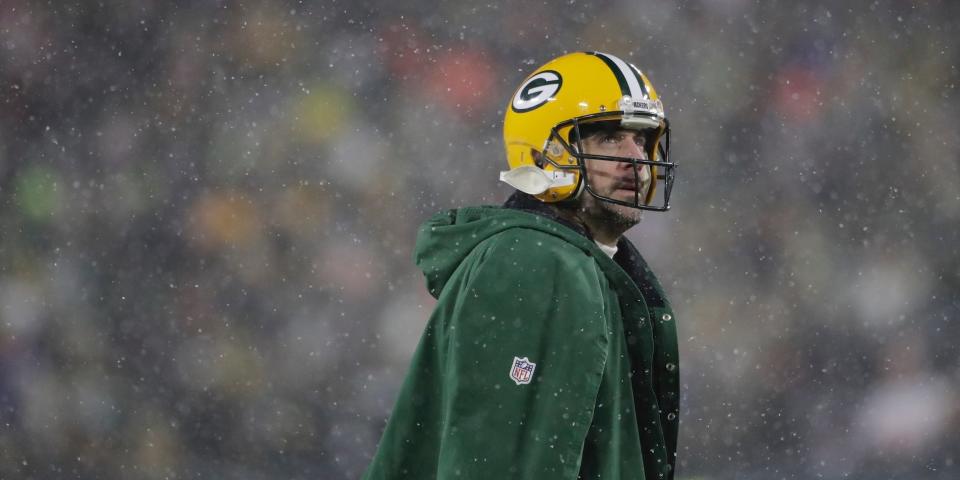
x=544 y=358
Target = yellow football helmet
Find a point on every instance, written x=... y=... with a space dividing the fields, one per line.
x=541 y=128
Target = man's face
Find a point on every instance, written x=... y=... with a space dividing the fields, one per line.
x=616 y=179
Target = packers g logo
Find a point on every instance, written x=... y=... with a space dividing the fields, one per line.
x=537 y=91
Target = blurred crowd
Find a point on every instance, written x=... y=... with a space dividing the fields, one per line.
x=207 y=212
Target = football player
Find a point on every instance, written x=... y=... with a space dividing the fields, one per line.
x=552 y=351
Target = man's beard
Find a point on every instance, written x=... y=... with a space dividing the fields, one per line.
x=610 y=213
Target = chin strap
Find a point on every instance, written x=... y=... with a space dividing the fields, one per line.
x=534 y=181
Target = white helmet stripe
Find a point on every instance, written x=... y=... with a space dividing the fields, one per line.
x=643 y=85
x=633 y=81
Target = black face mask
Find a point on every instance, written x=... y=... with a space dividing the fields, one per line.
x=658 y=154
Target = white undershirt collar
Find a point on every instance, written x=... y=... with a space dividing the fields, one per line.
x=610 y=250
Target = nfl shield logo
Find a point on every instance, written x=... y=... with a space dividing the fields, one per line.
x=522 y=370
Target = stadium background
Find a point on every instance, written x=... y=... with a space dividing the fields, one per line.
x=207 y=212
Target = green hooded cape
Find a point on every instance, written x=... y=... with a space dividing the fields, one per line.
x=598 y=396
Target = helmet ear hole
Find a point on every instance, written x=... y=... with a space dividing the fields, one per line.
x=537 y=157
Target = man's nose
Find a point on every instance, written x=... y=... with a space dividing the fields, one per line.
x=633 y=150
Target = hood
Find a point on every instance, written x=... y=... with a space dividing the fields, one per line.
x=445 y=240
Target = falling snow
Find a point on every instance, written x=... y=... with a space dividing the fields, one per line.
x=208 y=210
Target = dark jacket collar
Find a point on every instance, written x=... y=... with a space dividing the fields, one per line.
x=527 y=203
x=628 y=257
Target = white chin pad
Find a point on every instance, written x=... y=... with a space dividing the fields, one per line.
x=534 y=181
